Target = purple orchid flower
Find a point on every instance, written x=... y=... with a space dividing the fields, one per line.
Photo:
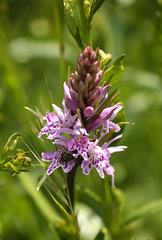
x=83 y=113
x=57 y=123
x=57 y=162
x=98 y=157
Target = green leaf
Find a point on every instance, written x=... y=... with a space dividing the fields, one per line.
x=72 y=16
x=90 y=198
x=105 y=58
x=114 y=73
x=55 y=188
x=92 y=194
x=85 y=26
x=101 y=235
x=95 y=5
x=106 y=137
x=35 y=113
x=107 y=103
x=121 y=114
x=10 y=146
x=41 y=181
x=151 y=208
x=58 y=203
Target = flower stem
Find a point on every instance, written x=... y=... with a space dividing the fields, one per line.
x=70 y=184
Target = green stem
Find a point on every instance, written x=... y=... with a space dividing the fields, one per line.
x=108 y=204
x=85 y=26
x=70 y=184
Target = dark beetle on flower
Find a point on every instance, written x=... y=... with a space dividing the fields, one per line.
x=66 y=157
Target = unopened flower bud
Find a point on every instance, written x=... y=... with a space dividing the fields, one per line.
x=88 y=112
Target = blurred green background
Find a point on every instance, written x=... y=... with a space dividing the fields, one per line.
x=30 y=53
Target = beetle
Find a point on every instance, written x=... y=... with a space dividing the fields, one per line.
x=66 y=157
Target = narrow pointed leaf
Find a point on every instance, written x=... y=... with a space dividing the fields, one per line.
x=151 y=208
x=35 y=113
x=60 y=206
x=51 y=182
x=85 y=26
x=105 y=58
x=42 y=180
x=56 y=189
x=114 y=73
x=120 y=119
x=91 y=199
x=95 y=5
x=72 y=17
x=107 y=102
x=107 y=137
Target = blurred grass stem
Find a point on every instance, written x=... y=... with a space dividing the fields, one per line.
x=59 y=31
x=44 y=206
